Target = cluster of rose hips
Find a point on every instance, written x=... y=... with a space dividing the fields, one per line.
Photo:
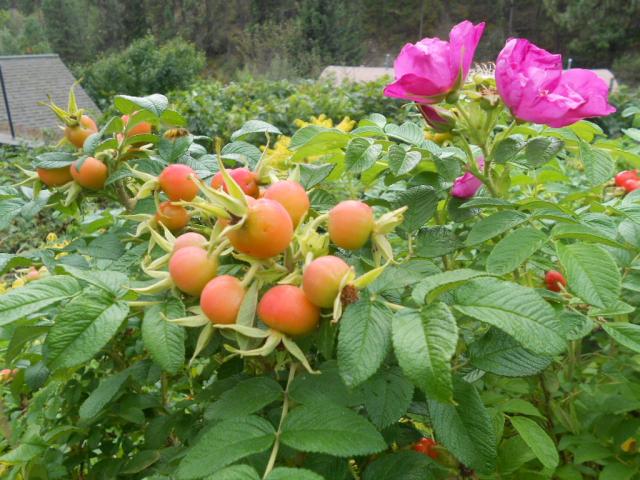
x=257 y=225
x=628 y=179
x=426 y=446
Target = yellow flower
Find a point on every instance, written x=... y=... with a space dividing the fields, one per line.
x=51 y=237
x=3 y=287
x=321 y=120
x=629 y=445
x=346 y=125
x=280 y=153
x=18 y=282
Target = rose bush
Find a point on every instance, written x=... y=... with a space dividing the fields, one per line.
x=486 y=335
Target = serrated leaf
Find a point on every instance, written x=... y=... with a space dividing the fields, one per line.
x=165 y=340
x=434 y=242
x=285 y=473
x=540 y=150
x=35 y=296
x=51 y=160
x=507 y=150
x=592 y=274
x=514 y=249
x=598 y=165
x=330 y=429
x=327 y=387
x=361 y=155
x=115 y=283
x=583 y=232
x=225 y=443
x=627 y=334
x=173 y=150
x=155 y=104
x=305 y=134
x=435 y=285
x=387 y=396
x=422 y=202
x=245 y=398
x=494 y=225
x=401 y=465
x=102 y=395
x=312 y=174
x=402 y=161
x=254 y=126
x=235 y=472
x=249 y=153
x=498 y=353
x=363 y=340
x=517 y=405
x=82 y=328
x=408 y=132
x=518 y=311
x=466 y=428
x=537 y=440
x=424 y=342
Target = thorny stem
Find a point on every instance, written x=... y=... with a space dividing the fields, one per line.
x=285 y=410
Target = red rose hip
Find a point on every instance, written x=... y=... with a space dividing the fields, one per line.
x=174 y=217
x=292 y=196
x=245 y=178
x=555 y=281
x=350 y=224
x=287 y=309
x=191 y=268
x=221 y=299
x=321 y=280
x=176 y=182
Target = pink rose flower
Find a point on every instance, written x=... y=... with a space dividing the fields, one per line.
x=534 y=86
x=467 y=185
x=429 y=70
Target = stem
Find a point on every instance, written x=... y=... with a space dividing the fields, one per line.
x=285 y=410
x=123 y=196
x=5 y=426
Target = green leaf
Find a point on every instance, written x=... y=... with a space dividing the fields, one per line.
x=361 y=155
x=35 y=296
x=401 y=465
x=465 y=428
x=235 y=472
x=422 y=202
x=408 y=132
x=171 y=118
x=507 y=150
x=592 y=274
x=363 y=341
x=627 y=334
x=598 y=165
x=433 y=242
x=583 y=232
x=285 y=473
x=518 y=311
x=115 y=283
x=254 y=126
x=330 y=429
x=540 y=150
x=517 y=405
x=514 y=249
x=312 y=174
x=245 y=398
x=537 y=440
x=156 y=103
x=173 y=150
x=102 y=395
x=51 y=160
x=424 y=342
x=225 y=443
x=498 y=353
x=82 y=328
x=402 y=161
x=435 y=285
x=494 y=225
x=9 y=209
x=387 y=396
x=165 y=340
x=618 y=471
x=328 y=387
x=243 y=151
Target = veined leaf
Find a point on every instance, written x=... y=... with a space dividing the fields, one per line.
x=627 y=334
x=387 y=396
x=245 y=398
x=537 y=440
x=439 y=283
x=514 y=249
x=163 y=339
x=518 y=311
x=424 y=342
x=494 y=225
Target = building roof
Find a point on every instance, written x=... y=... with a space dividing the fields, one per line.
x=29 y=79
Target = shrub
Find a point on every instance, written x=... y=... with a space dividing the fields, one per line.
x=216 y=109
x=144 y=67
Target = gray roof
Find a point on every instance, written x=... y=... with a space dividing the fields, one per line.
x=28 y=80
